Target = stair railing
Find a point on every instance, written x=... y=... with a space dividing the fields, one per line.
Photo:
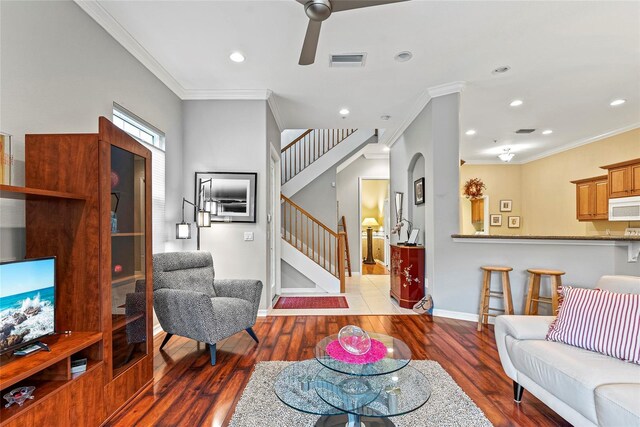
x=309 y=147
x=314 y=239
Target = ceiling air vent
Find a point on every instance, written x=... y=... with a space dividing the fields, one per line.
x=525 y=130
x=348 y=60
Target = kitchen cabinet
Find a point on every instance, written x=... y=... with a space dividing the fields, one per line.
x=477 y=211
x=592 y=198
x=624 y=178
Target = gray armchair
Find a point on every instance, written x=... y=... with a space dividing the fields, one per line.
x=190 y=303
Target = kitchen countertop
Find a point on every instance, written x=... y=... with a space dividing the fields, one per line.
x=513 y=237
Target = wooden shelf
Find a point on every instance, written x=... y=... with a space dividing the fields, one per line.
x=119 y=321
x=16 y=368
x=22 y=193
x=44 y=389
x=126 y=234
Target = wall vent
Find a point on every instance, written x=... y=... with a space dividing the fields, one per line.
x=525 y=130
x=347 y=60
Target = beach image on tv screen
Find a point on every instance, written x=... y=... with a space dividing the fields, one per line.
x=26 y=301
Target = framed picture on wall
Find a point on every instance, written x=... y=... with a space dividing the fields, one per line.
x=496 y=220
x=514 y=222
x=229 y=196
x=505 y=205
x=418 y=191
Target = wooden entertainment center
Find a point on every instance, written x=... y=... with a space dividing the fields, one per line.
x=87 y=202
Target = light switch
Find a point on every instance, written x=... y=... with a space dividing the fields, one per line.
x=248 y=236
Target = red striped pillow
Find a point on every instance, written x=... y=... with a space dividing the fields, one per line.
x=599 y=320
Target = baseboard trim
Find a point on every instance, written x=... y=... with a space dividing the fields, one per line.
x=459 y=315
x=263 y=312
x=284 y=291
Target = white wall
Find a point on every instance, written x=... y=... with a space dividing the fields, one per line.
x=288 y=135
x=60 y=71
x=453 y=268
x=231 y=136
x=347 y=192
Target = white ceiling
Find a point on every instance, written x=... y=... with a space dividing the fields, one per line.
x=568 y=61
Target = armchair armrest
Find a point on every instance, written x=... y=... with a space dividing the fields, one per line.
x=184 y=313
x=518 y=328
x=249 y=290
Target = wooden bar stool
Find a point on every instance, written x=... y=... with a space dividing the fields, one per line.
x=533 y=293
x=486 y=293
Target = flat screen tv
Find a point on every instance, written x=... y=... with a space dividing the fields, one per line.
x=27 y=301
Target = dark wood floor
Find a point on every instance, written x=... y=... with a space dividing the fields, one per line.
x=188 y=391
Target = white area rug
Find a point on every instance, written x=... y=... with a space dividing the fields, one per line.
x=448 y=405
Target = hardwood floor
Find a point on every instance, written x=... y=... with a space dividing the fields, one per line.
x=188 y=391
x=378 y=268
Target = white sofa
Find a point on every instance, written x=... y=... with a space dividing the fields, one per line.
x=583 y=387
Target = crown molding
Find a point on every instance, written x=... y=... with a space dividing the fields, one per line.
x=446 y=89
x=122 y=36
x=390 y=138
x=581 y=142
x=272 y=100
x=559 y=149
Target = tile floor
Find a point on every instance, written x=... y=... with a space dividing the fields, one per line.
x=368 y=294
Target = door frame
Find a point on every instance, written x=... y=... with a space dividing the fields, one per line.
x=367 y=178
x=275 y=225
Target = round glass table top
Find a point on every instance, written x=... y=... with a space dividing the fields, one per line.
x=295 y=387
x=387 y=395
x=397 y=357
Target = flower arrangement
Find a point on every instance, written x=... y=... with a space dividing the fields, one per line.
x=473 y=188
x=398 y=227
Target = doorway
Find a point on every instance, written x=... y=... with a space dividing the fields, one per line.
x=375 y=225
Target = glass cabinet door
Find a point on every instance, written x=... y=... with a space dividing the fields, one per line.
x=128 y=296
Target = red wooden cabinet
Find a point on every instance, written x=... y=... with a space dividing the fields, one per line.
x=407 y=274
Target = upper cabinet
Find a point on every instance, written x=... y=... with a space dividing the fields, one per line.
x=624 y=178
x=592 y=200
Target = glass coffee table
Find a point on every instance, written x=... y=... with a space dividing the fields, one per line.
x=353 y=394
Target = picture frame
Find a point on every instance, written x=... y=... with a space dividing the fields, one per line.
x=495 y=220
x=506 y=205
x=413 y=237
x=514 y=222
x=418 y=191
x=229 y=196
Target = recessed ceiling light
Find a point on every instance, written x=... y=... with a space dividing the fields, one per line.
x=516 y=103
x=386 y=148
x=501 y=69
x=470 y=132
x=617 y=102
x=344 y=112
x=403 y=56
x=385 y=117
x=236 y=57
x=547 y=132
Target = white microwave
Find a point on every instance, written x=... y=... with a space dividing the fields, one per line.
x=624 y=209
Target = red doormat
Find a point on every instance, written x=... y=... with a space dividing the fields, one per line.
x=311 y=302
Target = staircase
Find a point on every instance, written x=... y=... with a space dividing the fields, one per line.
x=315 y=151
x=312 y=247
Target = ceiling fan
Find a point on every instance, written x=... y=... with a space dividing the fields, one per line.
x=320 y=10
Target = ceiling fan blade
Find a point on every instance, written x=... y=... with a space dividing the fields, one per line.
x=310 y=45
x=340 y=5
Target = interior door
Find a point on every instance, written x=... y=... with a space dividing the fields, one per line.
x=273 y=232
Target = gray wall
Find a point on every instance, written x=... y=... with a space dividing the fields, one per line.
x=347 y=192
x=453 y=268
x=292 y=278
x=60 y=71
x=231 y=136
x=319 y=198
x=416 y=212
